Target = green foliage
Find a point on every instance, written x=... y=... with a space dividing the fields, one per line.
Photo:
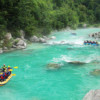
x=7 y=43
x=40 y=17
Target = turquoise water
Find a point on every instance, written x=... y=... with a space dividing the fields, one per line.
x=71 y=82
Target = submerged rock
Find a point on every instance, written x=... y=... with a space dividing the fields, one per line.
x=92 y=95
x=76 y=62
x=96 y=72
x=52 y=66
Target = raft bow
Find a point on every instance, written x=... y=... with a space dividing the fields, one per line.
x=6 y=81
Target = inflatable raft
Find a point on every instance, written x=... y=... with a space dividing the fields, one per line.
x=94 y=44
x=6 y=80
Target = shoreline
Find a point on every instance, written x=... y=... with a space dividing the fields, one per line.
x=21 y=43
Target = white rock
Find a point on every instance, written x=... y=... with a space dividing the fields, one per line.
x=42 y=40
x=21 y=44
x=84 y=25
x=8 y=36
x=1 y=51
x=53 y=37
x=5 y=48
x=92 y=95
x=22 y=33
x=34 y=39
x=46 y=38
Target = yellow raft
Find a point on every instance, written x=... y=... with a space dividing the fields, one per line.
x=6 y=81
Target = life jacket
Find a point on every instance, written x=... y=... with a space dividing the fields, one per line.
x=6 y=74
x=2 y=77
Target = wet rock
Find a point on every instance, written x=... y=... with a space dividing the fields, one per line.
x=53 y=37
x=1 y=51
x=92 y=95
x=8 y=36
x=70 y=48
x=53 y=66
x=76 y=62
x=95 y=72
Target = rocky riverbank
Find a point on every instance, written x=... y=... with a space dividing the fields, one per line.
x=10 y=43
x=95 y=35
x=92 y=95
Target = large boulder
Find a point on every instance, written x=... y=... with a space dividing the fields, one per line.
x=46 y=38
x=1 y=51
x=76 y=62
x=53 y=66
x=92 y=95
x=8 y=36
x=34 y=39
x=53 y=37
x=95 y=35
x=95 y=72
x=19 y=44
x=42 y=40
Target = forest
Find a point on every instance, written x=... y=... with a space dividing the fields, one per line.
x=40 y=17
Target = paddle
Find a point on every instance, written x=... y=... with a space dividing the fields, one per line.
x=14 y=74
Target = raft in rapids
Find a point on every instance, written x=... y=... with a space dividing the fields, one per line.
x=91 y=43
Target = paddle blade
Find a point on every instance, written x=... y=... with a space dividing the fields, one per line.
x=16 y=67
x=10 y=70
x=14 y=74
x=8 y=66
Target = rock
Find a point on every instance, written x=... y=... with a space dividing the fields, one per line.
x=19 y=43
x=5 y=48
x=1 y=51
x=92 y=95
x=53 y=66
x=53 y=37
x=46 y=38
x=34 y=39
x=42 y=40
x=84 y=25
x=20 y=47
x=95 y=35
x=77 y=62
x=22 y=34
x=14 y=46
x=95 y=72
x=8 y=36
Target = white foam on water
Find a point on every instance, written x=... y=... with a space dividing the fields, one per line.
x=62 y=58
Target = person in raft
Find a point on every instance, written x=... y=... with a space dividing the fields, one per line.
x=4 y=73
x=90 y=42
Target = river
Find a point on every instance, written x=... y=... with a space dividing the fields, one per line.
x=71 y=82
